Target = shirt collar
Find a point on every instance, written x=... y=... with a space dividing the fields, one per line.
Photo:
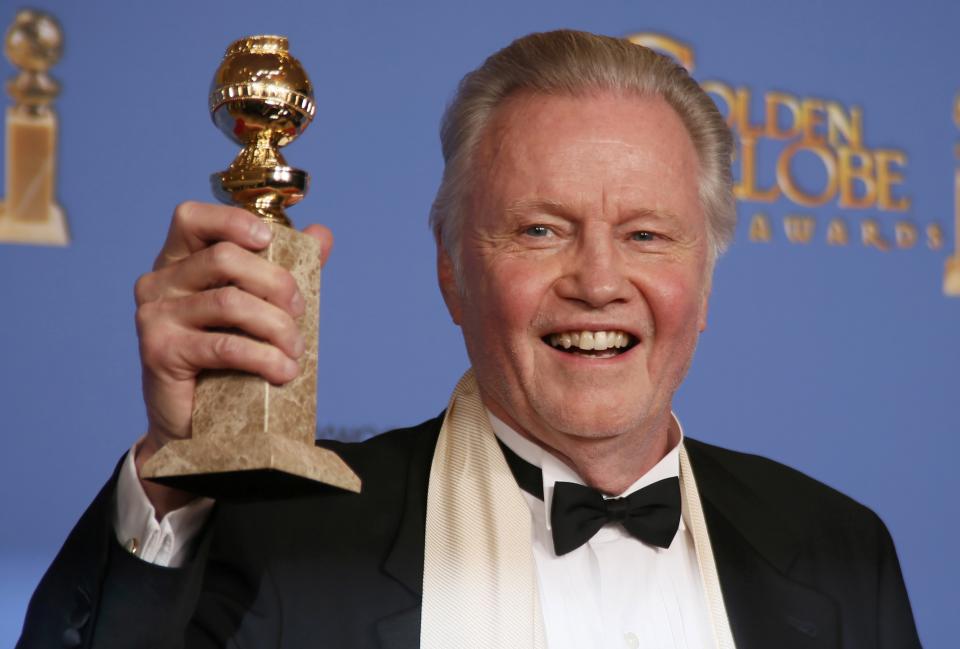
x=555 y=470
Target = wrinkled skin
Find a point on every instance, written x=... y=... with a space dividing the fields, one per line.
x=584 y=215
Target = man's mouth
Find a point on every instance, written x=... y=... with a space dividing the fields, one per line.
x=598 y=344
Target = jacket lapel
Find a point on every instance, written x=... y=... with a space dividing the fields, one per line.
x=754 y=547
x=404 y=562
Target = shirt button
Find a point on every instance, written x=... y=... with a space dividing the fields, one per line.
x=631 y=640
x=71 y=638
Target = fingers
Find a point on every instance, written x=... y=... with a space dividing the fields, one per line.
x=230 y=351
x=230 y=307
x=196 y=225
x=176 y=341
x=322 y=234
x=218 y=265
x=181 y=353
x=208 y=277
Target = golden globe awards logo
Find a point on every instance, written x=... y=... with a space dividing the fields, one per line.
x=798 y=153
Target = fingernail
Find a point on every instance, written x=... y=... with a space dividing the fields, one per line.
x=293 y=367
x=260 y=232
x=299 y=345
x=296 y=303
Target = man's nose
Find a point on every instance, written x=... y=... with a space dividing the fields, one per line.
x=595 y=273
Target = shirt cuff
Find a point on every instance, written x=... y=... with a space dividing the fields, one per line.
x=167 y=543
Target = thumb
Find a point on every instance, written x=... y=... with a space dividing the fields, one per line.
x=324 y=236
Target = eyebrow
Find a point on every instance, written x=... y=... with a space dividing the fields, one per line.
x=524 y=206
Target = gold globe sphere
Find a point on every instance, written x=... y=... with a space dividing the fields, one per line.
x=34 y=41
x=261 y=99
x=259 y=86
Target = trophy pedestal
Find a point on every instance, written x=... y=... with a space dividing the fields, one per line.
x=249 y=466
x=951 y=277
x=251 y=438
x=50 y=232
x=30 y=213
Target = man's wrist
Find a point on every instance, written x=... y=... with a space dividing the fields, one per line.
x=163 y=498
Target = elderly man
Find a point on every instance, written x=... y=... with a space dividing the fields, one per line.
x=556 y=503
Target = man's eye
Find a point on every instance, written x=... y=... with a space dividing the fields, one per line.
x=537 y=231
x=643 y=235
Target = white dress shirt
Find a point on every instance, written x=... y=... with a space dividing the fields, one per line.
x=614 y=591
x=165 y=543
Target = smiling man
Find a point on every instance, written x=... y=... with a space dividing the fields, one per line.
x=587 y=274
x=556 y=502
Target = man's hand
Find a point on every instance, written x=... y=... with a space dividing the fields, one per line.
x=208 y=279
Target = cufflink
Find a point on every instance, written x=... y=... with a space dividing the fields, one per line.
x=132 y=546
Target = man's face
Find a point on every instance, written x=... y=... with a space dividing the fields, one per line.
x=584 y=218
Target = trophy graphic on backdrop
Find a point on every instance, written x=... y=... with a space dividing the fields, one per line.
x=252 y=438
x=951 y=275
x=29 y=212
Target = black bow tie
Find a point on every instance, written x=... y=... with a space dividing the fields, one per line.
x=651 y=514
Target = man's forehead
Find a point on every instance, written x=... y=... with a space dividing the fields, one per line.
x=610 y=118
x=553 y=142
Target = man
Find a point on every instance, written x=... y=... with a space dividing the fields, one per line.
x=585 y=199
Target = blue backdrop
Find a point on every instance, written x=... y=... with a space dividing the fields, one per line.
x=840 y=360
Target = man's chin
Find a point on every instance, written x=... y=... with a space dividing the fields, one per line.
x=595 y=421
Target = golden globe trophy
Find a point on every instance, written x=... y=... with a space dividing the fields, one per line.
x=29 y=212
x=951 y=274
x=251 y=438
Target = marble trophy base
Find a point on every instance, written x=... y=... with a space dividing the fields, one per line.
x=50 y=231
x=951 y=277
x=30 y=214
x=251 y=439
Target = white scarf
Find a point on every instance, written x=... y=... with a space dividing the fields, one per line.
x=479 y=578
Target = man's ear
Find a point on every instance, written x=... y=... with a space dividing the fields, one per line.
x=447 y=277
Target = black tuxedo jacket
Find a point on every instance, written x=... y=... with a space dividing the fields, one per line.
x=800 y=565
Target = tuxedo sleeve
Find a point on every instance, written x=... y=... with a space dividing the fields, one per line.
x=897 y=629
x=96 y=594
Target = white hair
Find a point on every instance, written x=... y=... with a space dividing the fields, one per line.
x=575 y=63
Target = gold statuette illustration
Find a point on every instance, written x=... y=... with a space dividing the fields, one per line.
x=251 y=438
x=951 y=275
x=29 y=212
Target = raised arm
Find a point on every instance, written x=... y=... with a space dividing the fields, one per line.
x=209 y=303
x=206 y=286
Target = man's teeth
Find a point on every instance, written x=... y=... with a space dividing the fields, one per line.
x=591 y=340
